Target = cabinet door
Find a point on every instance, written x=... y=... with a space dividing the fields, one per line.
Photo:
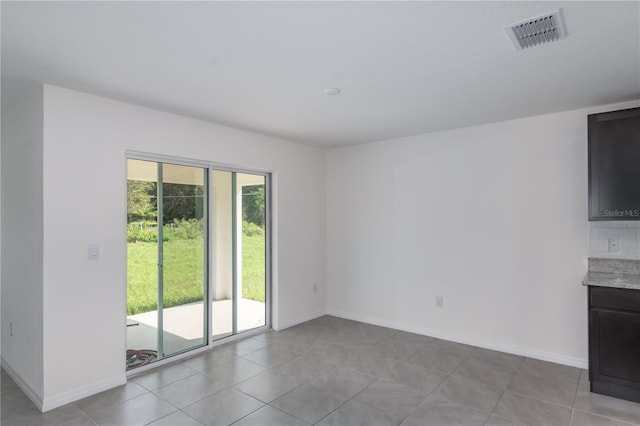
x=615 y=348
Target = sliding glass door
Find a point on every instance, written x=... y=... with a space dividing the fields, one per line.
x=197 y=257
x=239 y=252
x=166 y=260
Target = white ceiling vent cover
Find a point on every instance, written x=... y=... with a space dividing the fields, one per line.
x=539 y=30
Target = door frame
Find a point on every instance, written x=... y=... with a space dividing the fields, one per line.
x=210 y=166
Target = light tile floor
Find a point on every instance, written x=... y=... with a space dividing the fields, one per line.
x=331 y=371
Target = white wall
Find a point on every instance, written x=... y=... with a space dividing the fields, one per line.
x=81 y=200
x=22 y=222
x=493 y=218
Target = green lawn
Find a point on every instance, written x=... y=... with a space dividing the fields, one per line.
x=253 y=273
x=183 y=273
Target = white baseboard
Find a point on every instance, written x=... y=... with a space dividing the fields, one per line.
x=283 y=325
x=468 y=340
x=64 y=398
x=49 y=403
x=34 y=396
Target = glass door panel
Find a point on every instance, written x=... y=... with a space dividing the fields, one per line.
x=166 y=260
x=142 y=262
x=239 y=279
x=222 y=246
x=250 y=190
x=184 y=265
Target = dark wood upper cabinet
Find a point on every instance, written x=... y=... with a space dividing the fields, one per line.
x=614 y=165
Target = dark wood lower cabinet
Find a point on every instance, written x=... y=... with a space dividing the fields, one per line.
x=614 y=342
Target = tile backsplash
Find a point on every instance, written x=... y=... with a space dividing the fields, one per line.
x=614 y=240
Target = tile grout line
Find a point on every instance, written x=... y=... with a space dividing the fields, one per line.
x=248 y=414
x=573 y=411
x=617 y=419
x=344 y=403
x=513 y=375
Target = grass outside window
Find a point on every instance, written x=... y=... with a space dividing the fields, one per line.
x=183 y=269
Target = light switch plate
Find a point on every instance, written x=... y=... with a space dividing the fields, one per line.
x=94 y=251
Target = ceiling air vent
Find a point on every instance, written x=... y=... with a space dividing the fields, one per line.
x=535 y=31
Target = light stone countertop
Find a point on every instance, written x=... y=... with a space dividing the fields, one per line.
x=618 y=273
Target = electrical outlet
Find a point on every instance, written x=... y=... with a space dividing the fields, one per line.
x=614 y=246
x=11 y=329
x=439 y=301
